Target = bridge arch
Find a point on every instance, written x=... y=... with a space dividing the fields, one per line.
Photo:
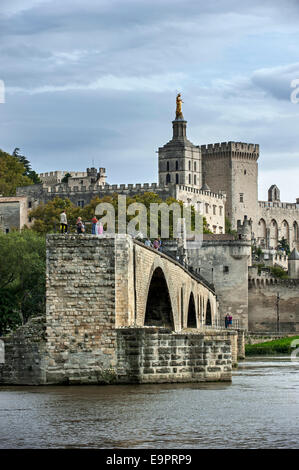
x=158 y=311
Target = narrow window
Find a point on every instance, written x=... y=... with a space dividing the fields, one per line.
x=241 y=197
x=176 y=165
x=194 y=179
x=167 y=166
x=168 y=179
x=176 y=179
x=189 y=178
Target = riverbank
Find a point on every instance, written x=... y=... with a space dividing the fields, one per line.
x=277 y=346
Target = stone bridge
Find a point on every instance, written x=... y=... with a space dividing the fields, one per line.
x=147 y=287
x=118 y=310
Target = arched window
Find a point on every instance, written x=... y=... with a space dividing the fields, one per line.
x=176 y=179
x=189 y=178
x=176 y=165
x=194 y=179
x=189 y=165
x=168 y=178
x=285 y=230
x=167 y=166
x=194 y=166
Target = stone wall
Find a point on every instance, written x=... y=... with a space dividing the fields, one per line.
x=25 y=354
x=262 y=304
x=80 y=311
x=13 y=213
x=96 y=294
x=153 y=355
x=225 y=264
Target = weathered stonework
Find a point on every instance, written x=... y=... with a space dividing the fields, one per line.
x=99 y=298
x=262 y=303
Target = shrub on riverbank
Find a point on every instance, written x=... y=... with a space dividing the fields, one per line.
x=277 y=346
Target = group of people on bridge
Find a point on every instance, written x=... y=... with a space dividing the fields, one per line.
x=97 y=227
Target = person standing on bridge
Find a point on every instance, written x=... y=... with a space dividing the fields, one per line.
x=94 y=222
x=63 y=222
x=156 y=244
x=226 y=320
x=230 y=321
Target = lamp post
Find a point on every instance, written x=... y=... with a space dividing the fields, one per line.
x=277 y=311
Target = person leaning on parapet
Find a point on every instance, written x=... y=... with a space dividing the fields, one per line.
x=160 y=244
x=80 y=226
x=94 y=221
x=63 y=222
x=148 y=242
x=156 y=244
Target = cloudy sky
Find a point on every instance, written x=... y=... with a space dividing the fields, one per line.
x=94 y=81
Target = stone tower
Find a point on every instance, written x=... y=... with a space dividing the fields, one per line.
x=273 y=194
x=232 y=167
x=179 y=159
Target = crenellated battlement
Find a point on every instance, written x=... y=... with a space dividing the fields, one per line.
x=238 y=149
x=110 y=188
x=279 y=205
x=190 y=189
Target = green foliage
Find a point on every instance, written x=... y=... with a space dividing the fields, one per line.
x=47 y=216
x=12 y=174
x=228 y=228
x=22 y=277
x=256 y=251
x=279 y=272
x=66 y=178
x=278 y=346
x=284 y=246
x=28 y=170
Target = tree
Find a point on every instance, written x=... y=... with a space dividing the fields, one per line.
x=22 y=277
x=66 y=178
x=47 y=216
x=12 y=174
x=284 y=246
x=28 y=170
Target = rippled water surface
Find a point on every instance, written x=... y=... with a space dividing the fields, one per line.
x=259 y=409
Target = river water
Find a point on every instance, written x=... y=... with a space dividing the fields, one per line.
x=259 y=409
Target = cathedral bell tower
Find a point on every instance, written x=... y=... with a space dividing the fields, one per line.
x=179 y=159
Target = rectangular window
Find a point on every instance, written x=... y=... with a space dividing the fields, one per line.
x=80 y=203
x=241 y=197
x=220 y=210
x=225 y=269
x=207 y=208
x=214 y=210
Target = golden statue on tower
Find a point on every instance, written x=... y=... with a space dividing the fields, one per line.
x=179 y=101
